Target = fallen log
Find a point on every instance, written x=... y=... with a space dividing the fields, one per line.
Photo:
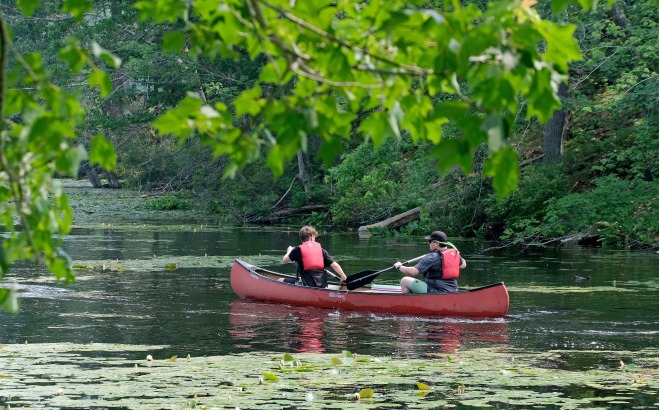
x=392 y=223
x=285 y=213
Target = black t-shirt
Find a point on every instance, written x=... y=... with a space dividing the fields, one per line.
x=315 y=277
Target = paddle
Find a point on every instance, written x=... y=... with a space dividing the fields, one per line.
x=360 y=279
x=332 y=274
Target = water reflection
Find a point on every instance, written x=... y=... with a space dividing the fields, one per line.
x=193 y=310
x=300 y=329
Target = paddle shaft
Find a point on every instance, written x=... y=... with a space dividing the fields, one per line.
x=332 y=274
x=359 y=279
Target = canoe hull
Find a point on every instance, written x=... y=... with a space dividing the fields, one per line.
x=249 y=282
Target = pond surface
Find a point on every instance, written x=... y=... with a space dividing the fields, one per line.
x=128 y=291
x=158 y=283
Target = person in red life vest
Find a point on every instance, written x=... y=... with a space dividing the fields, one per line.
x=311 y=260
x=440 y=268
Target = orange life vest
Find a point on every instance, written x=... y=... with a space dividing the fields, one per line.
x=450 y=264
x=312 y=256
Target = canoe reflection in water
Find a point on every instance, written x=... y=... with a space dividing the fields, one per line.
x=267 y=326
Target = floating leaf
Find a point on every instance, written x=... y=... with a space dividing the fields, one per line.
x=336 y=361
x=288 y=358
x=347 y=354
x=173 y=358
x=171 y=266
x=270 y=376
x=422 y=386
x=366 y=394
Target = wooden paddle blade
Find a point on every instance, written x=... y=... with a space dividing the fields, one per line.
x=360 y=279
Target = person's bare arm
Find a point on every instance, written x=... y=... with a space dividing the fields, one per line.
x=286 y=258
x=337 y=268
x=406 y=270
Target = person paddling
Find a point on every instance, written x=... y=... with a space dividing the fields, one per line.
x=311 y=260
x=440 y=268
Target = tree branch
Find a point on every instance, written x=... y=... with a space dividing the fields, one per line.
x=411 y=70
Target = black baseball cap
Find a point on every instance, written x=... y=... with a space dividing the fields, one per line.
x=437 y=236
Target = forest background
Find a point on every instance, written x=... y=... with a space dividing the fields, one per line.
x=586 y=174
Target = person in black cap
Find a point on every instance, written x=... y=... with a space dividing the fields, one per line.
x=440 y=268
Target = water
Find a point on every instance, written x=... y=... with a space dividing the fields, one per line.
x=193 y=310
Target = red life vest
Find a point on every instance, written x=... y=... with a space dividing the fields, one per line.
x=312 y=256
x=450 y=264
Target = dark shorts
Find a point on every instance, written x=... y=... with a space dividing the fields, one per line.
x=442 y=286
x=314 y=279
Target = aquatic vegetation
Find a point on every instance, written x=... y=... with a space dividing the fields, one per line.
x=109 y=375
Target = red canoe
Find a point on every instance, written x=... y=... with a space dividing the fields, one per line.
x=252 y=282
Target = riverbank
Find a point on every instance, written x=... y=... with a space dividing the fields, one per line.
x=93 y=207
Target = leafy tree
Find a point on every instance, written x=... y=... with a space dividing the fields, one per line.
x=386 y=67
x=38 y=122
x=387 y=59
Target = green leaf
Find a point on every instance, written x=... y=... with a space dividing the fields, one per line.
x=542 y=98
x=74 y=56
x=275 y=160
x=422 y=386
x=275 y=72
x=346 y=354
x=559 y=5
x=496 y=133
x=588 y=4
x=174 y=41
x=336 y=361
x=69 y=163
x=453 y=152
x=8 y=300
x=270 y=376
x=329 y=150
x=366 y=394
x=176 y=121
x=102 y=80
x=249 y=102
x=562 y=47
x=109 y=58
x=454 y=110
x=61 y=268
x=28 y=6
x=504 y=167
x=103 y=153
x=162 y=10
x=377 y=127
x=4 y=262
x=288 y=358
x=77 y=8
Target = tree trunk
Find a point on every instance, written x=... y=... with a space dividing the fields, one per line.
x=92 y=175
x=113 y=180
x=392 y=223
x=618 y=16
x=285 y=213
x=554 y=131
x=304 y=176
